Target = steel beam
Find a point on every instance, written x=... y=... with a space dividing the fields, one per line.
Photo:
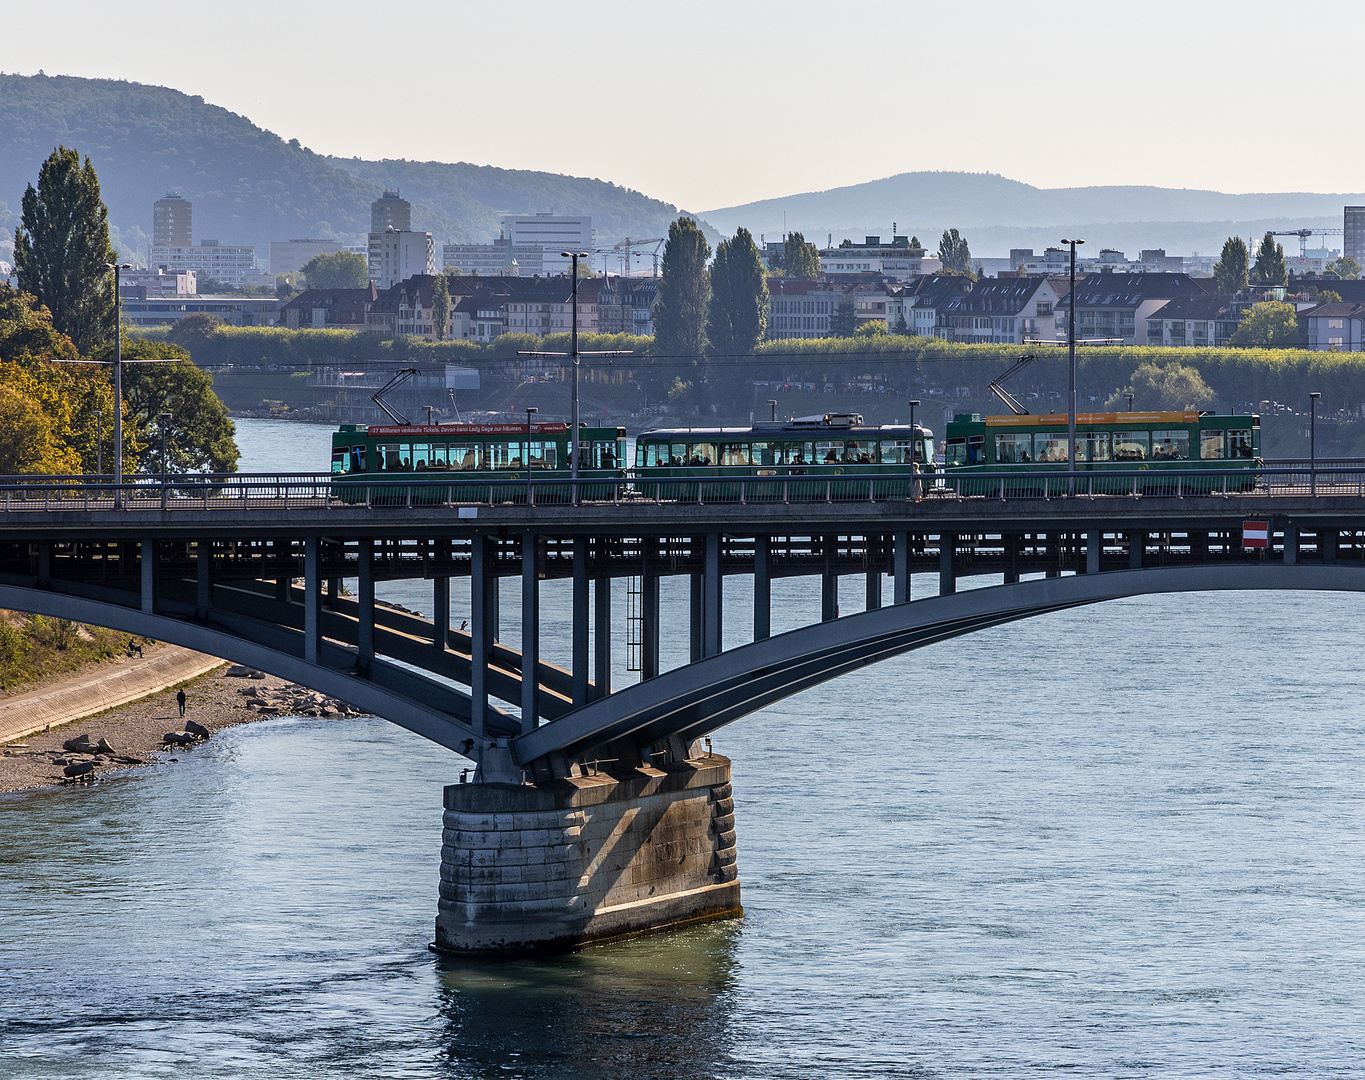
x=149 y=576
x=947 y=571
x=649 y=620
x=695 y=618
x=601 y=637
x=1137 y=549
x=440 y=613
x=580 y=627
x=712 y=593
x=203 y=601
x=530 y=633
x=1291 y=545
x=480 y=634
x=312 y=600
x=763 y=588
x=1094 y=540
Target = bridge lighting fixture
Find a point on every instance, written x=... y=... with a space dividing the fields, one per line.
x=1071 y=341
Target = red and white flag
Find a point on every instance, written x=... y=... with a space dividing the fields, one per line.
x=1255 y=534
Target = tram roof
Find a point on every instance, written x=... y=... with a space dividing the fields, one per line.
x=781 y=431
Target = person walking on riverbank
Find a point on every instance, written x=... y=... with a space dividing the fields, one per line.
x=180 y=700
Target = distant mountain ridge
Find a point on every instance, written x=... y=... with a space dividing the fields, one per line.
x=250 y=186
x=1008 y=211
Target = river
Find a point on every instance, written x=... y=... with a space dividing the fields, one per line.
x=1126 y=841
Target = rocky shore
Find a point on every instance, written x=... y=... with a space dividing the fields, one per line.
x=152 y=730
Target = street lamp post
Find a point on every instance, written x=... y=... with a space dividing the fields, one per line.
x=1130 y=402
x=1071 y=342
x=165 y=420
x=914 y=435
x=118 y=385
x=531 y=410
x=99 y=444
x=1313 y=442
x=574 y=256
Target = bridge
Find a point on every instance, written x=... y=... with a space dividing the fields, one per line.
x=251 y=569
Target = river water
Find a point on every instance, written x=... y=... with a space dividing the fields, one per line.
x=1127 y=841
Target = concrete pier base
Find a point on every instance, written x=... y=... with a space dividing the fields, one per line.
x=533 y=868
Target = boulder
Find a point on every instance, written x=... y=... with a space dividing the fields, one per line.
x=103 y=747
x=81 y=744
x=80 y=768
x=178 y=738
x=197 y=730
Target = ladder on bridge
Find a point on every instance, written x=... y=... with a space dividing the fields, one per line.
x=635 y=626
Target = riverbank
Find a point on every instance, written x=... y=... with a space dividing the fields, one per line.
x=135 y=731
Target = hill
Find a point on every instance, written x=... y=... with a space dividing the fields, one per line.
x=250 y=186
x=1007 y=213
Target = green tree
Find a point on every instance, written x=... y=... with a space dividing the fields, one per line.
x=1344 y=268
x=1270 y=268
x=193 y=333
x=871 y=329
x=62 y=249
x=440 y=306
x=1231 y=270
x=1271 y=325
x=1164 y=386
x=800 y=259
x=737 y=319
x=844 y=321
x=338 y=270
x=200 y=436
x=954 y=254
x=684 y=292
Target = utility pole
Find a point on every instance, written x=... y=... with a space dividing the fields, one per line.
x=1313 y=442
x=1071 y=407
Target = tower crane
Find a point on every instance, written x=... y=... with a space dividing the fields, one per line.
x=1304 y=234
x=624 y=248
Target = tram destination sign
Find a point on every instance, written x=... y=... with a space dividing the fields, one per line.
x=1255 y=534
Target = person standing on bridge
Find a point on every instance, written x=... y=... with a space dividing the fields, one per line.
x=180 y=700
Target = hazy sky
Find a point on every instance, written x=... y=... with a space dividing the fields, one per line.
x=710 y=103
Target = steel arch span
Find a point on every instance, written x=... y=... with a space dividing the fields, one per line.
x=697 y=698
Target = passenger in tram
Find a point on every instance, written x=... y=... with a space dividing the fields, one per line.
x=831 y=458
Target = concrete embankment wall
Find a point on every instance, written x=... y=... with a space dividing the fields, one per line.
x=547 y=867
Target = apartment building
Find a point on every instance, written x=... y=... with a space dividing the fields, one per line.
x=900 y=259
x=1192 y=321
x=1336 y=327
x=172 y=221
x=1004 y=311
x=225 y=263
x=500 y=259
x=1116 y=307
x=290 y=256
x=398 y=254
x=553 y=234
x=800 y=308
x=626 y=305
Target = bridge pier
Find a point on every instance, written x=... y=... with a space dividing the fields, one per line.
x=551 y=866
x=149 y=576
x=900 y=570
x=1291 y=545
x=1094 y=541
x=1137 y=548
x=601 y=636
x=530 y=634
x=947 y=571
x=763 y=588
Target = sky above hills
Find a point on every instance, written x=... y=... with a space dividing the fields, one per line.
x=718 y=104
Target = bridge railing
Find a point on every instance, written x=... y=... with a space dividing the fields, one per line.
x=276 y=491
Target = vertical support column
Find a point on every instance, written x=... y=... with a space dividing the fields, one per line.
x=149 y=577
x=1094 y=540
x=711 y=597
x=1137 y=549
x=204 y=593
x=440 y=613
x=530 y=634
x=480 y=635
x=947 y=572
x=283 y=568
x=763 y=588
x=365 y=601
x=1051 y=555
x=601 y=636
x=312 y=600
x=1011 y=575
x=829 y=582
x=1291 y=545
x=44 y=560
x=493 y=598
x=900 y=592
x=1327 y=545
x=333 y=592
x=649 y=626
x=694 y=621
x=579 y=629
x=874 y=583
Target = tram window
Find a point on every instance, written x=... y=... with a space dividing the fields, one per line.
x=829 y=453
x=762 y=453
x=464 y=456
x=602 y=455
x=1092 y=446
x=440 y=458
x=1014 y=449
x=976 y=450
x=1239 y=443
x=1170 y=445
x=543 y=455
x=1130 y=445
x=500 y=455
x=341 y=460
x=421 y=455
x=677 y=454
x=703 y=453
x=734 y=454
x=955 y=452
x=898 y=452
x=390 y=458
x=1051 y=447
x=357 y=459
x=861 y=452
x=1211 y=445
x=645 y=454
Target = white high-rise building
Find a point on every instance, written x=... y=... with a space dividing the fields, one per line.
x=397 y=254
x=225 y=263
x=553 y=233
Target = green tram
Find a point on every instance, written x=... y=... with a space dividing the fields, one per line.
x=834 y=454
x=1154 y=444
x=368 y=462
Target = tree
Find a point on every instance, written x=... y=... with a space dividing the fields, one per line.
x=193 y=332
x=684 y=292
x=844 y=321
x=954 y=254
x=1270 y=268
x=339 y=270
x=1160 y=387
x=800 y=259
x=737 y=319
x=62 y=249
x=1271 y=325
x=1230 y=272
x=440 y=306
x=1344 y=268
x=201 y=433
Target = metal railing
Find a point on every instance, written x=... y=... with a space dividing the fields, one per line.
x=315 y=491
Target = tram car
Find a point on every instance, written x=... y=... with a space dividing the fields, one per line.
x=371 y=462
x=1222 y=452
x=830 y=456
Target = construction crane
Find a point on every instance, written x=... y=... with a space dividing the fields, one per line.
x=1011 y=402
x=1304 y=234
x=625 y=246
